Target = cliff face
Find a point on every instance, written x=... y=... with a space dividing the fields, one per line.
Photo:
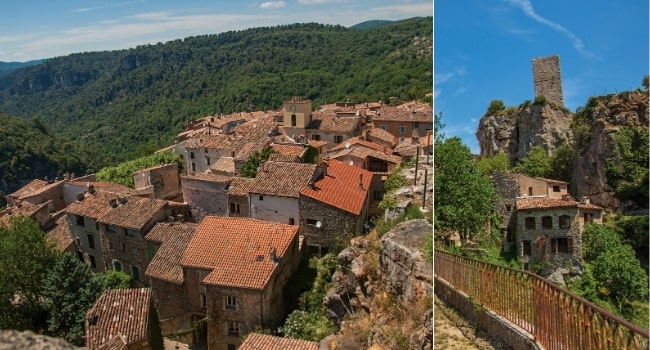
x=517 y=131
x=607 y=115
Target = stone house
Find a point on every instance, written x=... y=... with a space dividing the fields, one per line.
x=73 y=188
x=206 y=194
x=161 y=182
x=38 y=192
x=167 y=242
x=538 y=186
x=549 y=231
x=331 y=127
x=334 y=207
x=235 y=270
x=41 y=213
x=224 y=166
x=238 y=204
x=379 y=136
x=273 y=196
x=289 y=151
x=401 y=121
x=367 y=156
x=257 y=341
x=123 y=319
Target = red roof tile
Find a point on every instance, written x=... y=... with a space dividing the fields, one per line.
x=381 y=134
x=29 y=189
x=133 y=212
x=256 y=341
x=282 y=178
x=93 y=205
x=549 y=203
x=292 y=150
x=363 y=153
x=118 y=312
x=357 y=141
x=387 y=113
x=340 y=187
x=59 y=234
x=237 y=250
x=239 y=186
x=329 y=122
x=175 y=237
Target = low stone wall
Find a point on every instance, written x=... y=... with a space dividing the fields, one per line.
x=492 y=323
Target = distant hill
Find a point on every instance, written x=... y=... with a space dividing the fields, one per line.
x=120 y=104
x=372 y=24
x=6 y=67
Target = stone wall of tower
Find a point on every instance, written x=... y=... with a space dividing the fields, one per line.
x=547 y=79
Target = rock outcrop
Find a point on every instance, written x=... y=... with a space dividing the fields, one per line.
x=517 y=131
x=11 y=339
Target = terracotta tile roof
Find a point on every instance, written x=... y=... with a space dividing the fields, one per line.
x=387 y=113
x=118 y=312
x=93 y=205
x=237 y=250
x=224 y=165
x=340 y=187
x=207 y=177
x=382 y=134
x=239 y=186
x=357 y=141
x=29 y=188
x=104 y=186
x=419 y=106
x=276 y=157
x=115 y=343
x=256 y=341
x=175 y=237
x=282 y=179
x=328 y=122
x=23 y=209
x=59 y=234
x=408 y=147
x=363 y=153
x=133 y=212
x=550 y=203
x=317 y=144
x=291 y=150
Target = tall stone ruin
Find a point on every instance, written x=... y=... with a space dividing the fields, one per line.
x=547 y=79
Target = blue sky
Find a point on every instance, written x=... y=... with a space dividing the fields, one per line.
x=483 y=51
x=32 y=29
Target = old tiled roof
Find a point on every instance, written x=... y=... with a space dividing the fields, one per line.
x=317 y=144
x=329 y=122
x=133 y=212
x=282 y=179
x=237 y=250
x=291 y=150
x=340 y=187
x=115 y=343
x=277 y=157
x=175 y=237
x=550 y=203
x=363 y=153
x=59 y=234
x=33 y=188
x=240 y=186
x=103 y=186
x=357 y=141
x=225 y=165
x=207 y=177
x=257 y=341
x=408 y=147
x=118 y=312
x=23 y=209
x=382 y=134
x=387 y=113
x=93 y=205
x=551 y=181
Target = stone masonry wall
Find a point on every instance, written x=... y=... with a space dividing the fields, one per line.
x=338 y=226
x=547 y=79
x=205 y=197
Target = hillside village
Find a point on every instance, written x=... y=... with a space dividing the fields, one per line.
x=210 y=252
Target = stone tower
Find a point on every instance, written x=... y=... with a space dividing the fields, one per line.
x=547 y=79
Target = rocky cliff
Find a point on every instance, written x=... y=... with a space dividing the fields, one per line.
x=516 y=131
x=382 y=291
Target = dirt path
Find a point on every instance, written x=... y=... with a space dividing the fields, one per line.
x=452 y=331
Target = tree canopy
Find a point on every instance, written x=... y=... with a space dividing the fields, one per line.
x=123 y=173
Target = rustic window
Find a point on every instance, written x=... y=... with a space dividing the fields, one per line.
x=530 y=191
x=402 y=129
x=230 y=302
x=110 y=245
x=565 y=221
x=232 y=347
x=207 y=160
x=261 y=198
x=530 y=223
x=204 y=301
x=338 y=139
x=291 y=221
x=526 y=248
x=93 y=263
x=556 y=188
x=315 y=137
x=191 y=155
x=382 y=127
x=151 y=251
x=234 y=208
x=205 y=150
x=233 y=328
x=135 y=273
x=193 y=166
x=80 y=220
x=313 y=222
x=293 y=120
x=547 y=222
x=109 y=228
x=117 y=265
x=122 y=246
x=91 y=241
x=416 y=125
x=561 y=245
x=130 y=233
x=589 y=218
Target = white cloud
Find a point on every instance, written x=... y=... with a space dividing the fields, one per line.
x=311 y=2
x=273 y=5
x=576 y=42
x=441 y=78
x=119 y=4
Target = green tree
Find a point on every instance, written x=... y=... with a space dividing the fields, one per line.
x=536 y=164
x=495 y=107
x=438 y=126
x=114 y=280
x=498 y=162
x=249 y=169
x=123 y=173
x=25 y=257
x=627 y=168
x=69 y=290
x=465 y=199
x=310 y=155
x=561 y=163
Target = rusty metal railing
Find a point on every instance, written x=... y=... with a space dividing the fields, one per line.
x=557 y=318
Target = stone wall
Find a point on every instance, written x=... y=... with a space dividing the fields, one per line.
x=547 y=79
x=205 y=197
x=507 y=190
x=337 y=226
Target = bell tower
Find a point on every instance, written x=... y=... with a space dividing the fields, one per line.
x=296 y=116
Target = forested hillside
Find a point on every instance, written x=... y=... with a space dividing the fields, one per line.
x=124 y=103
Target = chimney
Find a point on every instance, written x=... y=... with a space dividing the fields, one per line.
x=565 y=197
x=80 y=196
x=112 y=202
x=361 y=181
x=585 y=200
x=180 y=218
x=324 y=168
x=90 y=188
x=272 y=253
